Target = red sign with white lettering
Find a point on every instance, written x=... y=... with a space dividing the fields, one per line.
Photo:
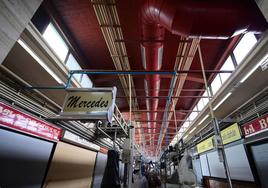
x=13 y=118
x=256 y=126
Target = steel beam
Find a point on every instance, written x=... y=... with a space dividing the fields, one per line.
x=150 y=89
x=153 y=128
x=144 y=72
x=142 y=111
x=124 y=72
x=159 y=121
x=149 y=41
x=161 y=97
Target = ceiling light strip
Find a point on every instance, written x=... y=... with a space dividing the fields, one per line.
x=226 y=96
x=39 y=61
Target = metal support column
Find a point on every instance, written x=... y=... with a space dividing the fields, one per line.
x=130 y=169
x=177 y=148
x=218 y=139
x=125 y=175
x=164 y=125
x=165 y=172
x=130 y=100
x=131 y=137
x=114 y=139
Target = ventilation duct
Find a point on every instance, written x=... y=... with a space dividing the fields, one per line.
x=205 y=19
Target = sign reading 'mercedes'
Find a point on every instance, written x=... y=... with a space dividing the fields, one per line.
x=93 y=103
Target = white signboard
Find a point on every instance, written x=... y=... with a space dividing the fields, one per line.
x=68 y=136
x=93 y=103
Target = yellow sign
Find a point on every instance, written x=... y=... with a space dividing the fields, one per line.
x=205 y=145
x=230 y=134
x=94 y=103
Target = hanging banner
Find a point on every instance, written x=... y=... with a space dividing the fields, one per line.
x=94 y=103
x=230 y=134
x=18 y=120
x=205 y=145
x=256 y=126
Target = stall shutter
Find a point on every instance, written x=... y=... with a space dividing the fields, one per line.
x=260 y=154
x=215 y=166
x=71 y=167
x=23 y=160
x=238 y=163
x=99 y=169
x=197 y=170
x=204 y=165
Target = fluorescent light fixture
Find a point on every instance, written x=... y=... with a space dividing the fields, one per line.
x=222 y=101
x=262 y=61
x=40 y=61
x=192 y=130
x=185 y=136
x=203 y=119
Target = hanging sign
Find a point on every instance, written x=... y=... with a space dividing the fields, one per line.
x=256 y=126
x=16 y=119
x=205 y=145
x=68 y=136
x=94 y=103
x=230 y=134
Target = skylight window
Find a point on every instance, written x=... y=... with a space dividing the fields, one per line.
x=72 y=64
x=61 y=49
x=259 y=64
x=56 y=42
x=185 y=125
x=83 y=79
x=205 y=100
x=200 y=104
x=229 y=66
x=86 y=82
x=192 y=116
x=216 y=84
x=244 y=46
x=180 y=132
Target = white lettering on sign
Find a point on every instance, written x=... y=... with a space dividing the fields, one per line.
x=249 y=130
x=21 y=121
x=263 y=123
x=77 y=139
x=256 y=126
x=94 y=103
x=76 y=102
